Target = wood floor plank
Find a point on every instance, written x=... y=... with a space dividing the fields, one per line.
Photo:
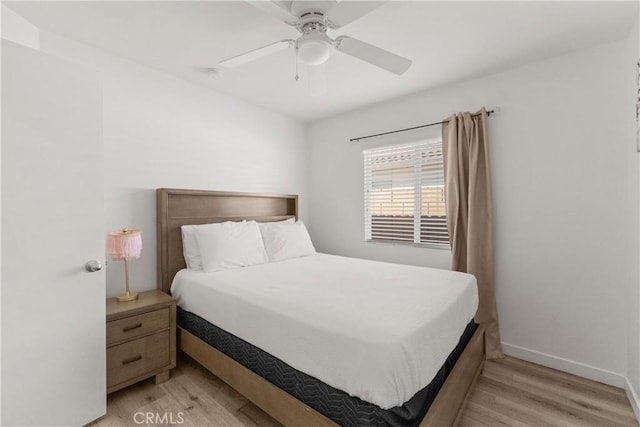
x=604 y=391
x=190 y=397
x=257 y=416
x=483 y=405
x=468 y=421
x=225 y=395
x=551 y=411
x=488 y=417
x=510 y=392
x=569 y=393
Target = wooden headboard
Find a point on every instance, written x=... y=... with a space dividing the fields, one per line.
x=176 y=208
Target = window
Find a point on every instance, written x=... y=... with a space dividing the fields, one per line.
x=404 y=194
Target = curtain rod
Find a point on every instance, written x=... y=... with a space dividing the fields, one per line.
x=489 y=113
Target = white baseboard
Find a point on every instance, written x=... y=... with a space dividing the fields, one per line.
x=633 y=398
x=565 y=365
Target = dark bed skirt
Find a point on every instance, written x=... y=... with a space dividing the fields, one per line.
x=335 y=404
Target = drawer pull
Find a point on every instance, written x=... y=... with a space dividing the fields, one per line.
x=131 y=328
x=131 y=359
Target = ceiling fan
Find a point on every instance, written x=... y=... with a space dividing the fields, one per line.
x=313 y=19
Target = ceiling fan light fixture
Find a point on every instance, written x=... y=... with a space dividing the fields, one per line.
x=314 y=51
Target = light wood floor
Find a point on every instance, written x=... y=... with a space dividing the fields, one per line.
x=510 y=392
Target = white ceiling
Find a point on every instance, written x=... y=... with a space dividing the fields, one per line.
x=447 y=41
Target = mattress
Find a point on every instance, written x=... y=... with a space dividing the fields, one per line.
x=377 y=331
x=345 y=410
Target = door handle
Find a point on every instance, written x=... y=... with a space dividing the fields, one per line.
x=93 y=266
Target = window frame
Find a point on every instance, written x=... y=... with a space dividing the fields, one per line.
x=417 y=197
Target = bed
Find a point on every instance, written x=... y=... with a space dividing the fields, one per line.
x=241 y=364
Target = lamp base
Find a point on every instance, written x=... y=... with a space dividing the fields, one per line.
x=128 y=296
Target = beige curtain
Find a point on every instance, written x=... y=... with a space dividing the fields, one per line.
x=470 y=212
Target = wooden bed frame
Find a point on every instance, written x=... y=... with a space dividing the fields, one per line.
x=181 y=207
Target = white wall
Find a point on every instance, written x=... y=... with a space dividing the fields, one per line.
x=18 y=30
x=566 y=236
x=160 y=131
x=633 y=362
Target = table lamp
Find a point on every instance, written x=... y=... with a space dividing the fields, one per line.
x=125 y=245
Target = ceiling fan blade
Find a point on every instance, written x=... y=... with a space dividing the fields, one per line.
x=373 y=55
x=345 y=12
x=275 y=10
x=254 y=54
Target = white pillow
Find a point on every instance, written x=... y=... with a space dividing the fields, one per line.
x=190 y=249
x=284 y=221
x=229 y=244
x=284 y=241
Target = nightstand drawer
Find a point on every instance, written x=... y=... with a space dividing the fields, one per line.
x=132 y=359
x=135 y=326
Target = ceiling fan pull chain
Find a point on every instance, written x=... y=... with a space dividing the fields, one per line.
x=297 y=77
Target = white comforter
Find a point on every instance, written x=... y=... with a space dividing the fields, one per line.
x=375 y=330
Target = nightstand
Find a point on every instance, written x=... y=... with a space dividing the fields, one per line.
x=141 y=339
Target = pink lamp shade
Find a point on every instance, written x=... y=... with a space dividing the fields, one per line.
x=124 y=245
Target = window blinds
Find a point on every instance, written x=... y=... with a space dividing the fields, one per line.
x=404 y=194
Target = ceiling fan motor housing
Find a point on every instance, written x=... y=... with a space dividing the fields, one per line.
x=314 y=46
x=312 y=16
